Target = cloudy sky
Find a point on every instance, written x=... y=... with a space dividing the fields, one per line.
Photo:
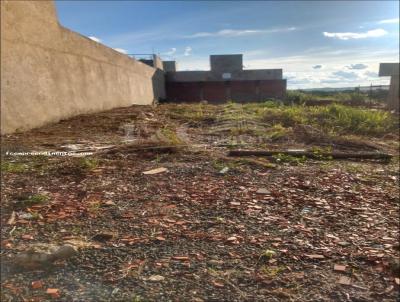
x=318 y=44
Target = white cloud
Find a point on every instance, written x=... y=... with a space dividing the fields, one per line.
x=345 y=74
x=121 y=50
x=374 y=33
x=357 y=66
x=171 y=52
x=188 y=51
x=298 y=69
x=237 y=32
x=254 y=53
x=94 y=39
x=371 y=74
x=388 y=21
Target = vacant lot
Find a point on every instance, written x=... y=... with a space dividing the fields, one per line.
x=208 y=227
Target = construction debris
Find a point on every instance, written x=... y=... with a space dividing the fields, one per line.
x=155 y=171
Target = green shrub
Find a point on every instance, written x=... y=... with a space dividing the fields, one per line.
x=352 y=97
x=298 y=97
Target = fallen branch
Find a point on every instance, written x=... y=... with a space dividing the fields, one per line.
x=313 y=155
x=144 y=147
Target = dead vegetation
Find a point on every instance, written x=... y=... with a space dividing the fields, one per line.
x=159 y=212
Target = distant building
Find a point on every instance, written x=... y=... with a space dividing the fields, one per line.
x=391 y=70
x=227 y=80
x=169 y=66
x=153 y=61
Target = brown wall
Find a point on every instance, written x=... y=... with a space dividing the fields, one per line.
x=217 y=91
x=49 y=72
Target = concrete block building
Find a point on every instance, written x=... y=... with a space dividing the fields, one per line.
x=227 y=80
x=391 y=70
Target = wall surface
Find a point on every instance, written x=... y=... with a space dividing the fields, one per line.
x=394 y=93
x=226 y=63
x=392 y=70
x=388 y=69
x=219 y=91
x=169 y=66
x=244 y=75
x=50 y=73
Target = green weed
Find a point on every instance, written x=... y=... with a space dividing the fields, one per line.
x=10 y=167
x=277 y=132
x=271 y=272
x=32 y=200
x=170 y=137
x=87 y=164
x=334 y=119
x=320 y=153
x=293 y=160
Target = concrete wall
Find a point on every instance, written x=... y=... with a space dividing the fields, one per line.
x=244 y=75
x=49 y=72
x=392 y=70
x=226 y=63
x=169 y=66
x=157 y=63
x=394 y=93
x=388 y=69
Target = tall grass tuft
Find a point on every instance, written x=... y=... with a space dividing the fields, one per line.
x=335 y=118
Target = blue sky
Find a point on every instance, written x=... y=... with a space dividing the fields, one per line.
x=317 y=44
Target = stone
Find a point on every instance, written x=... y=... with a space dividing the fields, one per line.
x=231 y=239
x=41 y=256
x=224 y=170
x=344 y=280
x=263 y=191
x=339 y=268
x=156 y=278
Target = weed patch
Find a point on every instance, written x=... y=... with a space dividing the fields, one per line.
x=293 y=160
x=32 y=200
x=10 y=167
x=334 y=119
x=87 y=164
x=169 y=136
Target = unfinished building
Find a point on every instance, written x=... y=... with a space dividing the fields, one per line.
x=227 y=80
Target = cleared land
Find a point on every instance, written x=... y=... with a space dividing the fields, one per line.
x=210 y=227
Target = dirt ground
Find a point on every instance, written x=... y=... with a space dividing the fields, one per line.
x=208 y=227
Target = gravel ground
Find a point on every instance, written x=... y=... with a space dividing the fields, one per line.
x=314 y=231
